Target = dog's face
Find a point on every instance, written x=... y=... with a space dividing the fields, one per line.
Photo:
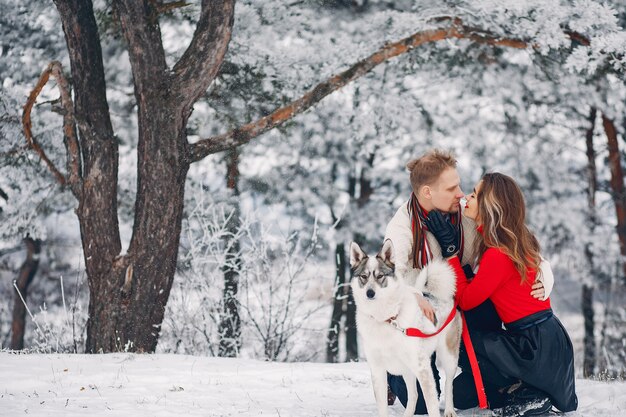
x=372 y=275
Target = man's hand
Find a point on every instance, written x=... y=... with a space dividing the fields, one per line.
x=426 y=308
x=445 y=233
x=538 y=291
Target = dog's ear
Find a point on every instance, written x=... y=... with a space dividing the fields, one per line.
x=386 y=253
x=356 y=255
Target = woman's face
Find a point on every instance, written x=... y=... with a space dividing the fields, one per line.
x=471 y=206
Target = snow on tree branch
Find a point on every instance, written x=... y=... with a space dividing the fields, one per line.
x=244 y=134
x=456 y=30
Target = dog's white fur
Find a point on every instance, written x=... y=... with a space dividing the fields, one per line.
x=389 y=350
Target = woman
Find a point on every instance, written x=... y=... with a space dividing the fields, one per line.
x=528 y=366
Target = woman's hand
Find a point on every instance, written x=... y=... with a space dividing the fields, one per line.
x=426 y=307
x=538 y=291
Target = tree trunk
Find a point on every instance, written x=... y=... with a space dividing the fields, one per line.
x=332 y=341
x=612 y=364
x=352 y=346
x=365 y=182
x=127 y=293
x=4 y=196
x=230 y=323
x=589 y=360
x=614 y=336
x=24 y=278
x=618 y=191
x=97 y=208
x=128 y=301
x=365 y=192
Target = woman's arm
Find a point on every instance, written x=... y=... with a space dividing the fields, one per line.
x=492 y=270
x=494 y=265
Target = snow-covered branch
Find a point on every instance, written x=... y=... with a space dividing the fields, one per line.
x=243 y=134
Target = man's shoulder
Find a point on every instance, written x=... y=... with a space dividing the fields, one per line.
x=400 y=232
x=401 y=215
x=469 y=228
x=468 y=223
x=403 y=208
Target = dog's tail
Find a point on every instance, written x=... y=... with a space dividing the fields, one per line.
x=438 y=279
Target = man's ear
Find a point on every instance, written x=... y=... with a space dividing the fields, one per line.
x=356 y=255
x=386 y=253
x=426 y=192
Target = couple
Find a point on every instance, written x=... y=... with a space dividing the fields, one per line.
x=524 y=354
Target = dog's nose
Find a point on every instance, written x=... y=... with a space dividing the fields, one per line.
x=370 y=293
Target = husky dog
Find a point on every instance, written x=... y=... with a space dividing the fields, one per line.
x=385 y=306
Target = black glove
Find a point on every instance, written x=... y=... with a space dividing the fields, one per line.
x=444 y=231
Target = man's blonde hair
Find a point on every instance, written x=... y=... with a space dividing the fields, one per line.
x=426 y=169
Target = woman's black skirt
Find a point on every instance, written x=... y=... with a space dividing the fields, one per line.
x=538 y=351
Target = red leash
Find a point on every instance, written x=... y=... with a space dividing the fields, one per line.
x=414 y=332
x=478 y=379
x=469 y=347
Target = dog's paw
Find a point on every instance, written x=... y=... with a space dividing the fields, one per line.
x=449 y=413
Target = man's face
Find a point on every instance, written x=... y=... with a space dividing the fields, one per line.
x=445 y=194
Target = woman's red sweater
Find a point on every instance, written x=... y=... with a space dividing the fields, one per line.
x=498 y=280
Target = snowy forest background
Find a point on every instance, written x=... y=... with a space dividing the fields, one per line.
x=262 y=257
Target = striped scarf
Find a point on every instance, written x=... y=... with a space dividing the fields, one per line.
x=421 y=252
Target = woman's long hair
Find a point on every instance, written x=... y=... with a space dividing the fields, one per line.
x=502 y=212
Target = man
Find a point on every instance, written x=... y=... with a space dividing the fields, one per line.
x=436 y=185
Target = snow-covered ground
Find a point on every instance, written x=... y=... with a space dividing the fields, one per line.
x=173 y=385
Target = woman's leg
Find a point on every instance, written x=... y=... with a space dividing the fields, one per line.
x=497 y=386
x=480 y=321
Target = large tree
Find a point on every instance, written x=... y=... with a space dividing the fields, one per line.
x=129 y=291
